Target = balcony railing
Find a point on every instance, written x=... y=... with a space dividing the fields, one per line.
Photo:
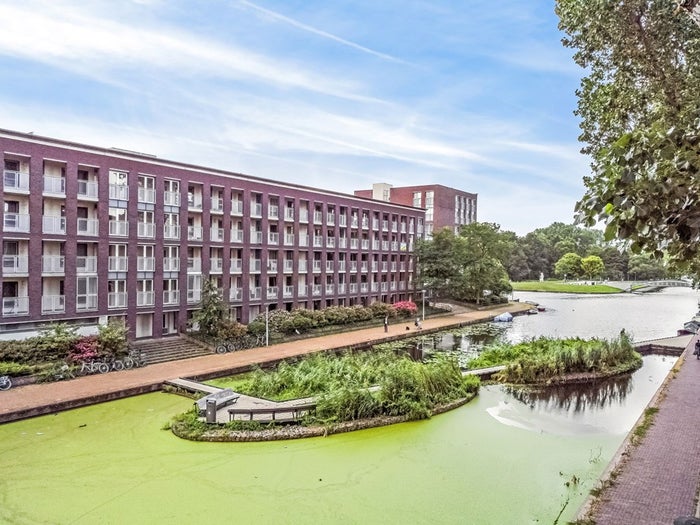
x=289 y=239
x=288 y=265
x=289 y=214
x=194 y=202
x=330 y=289
x=236 y=207
x=194 y=295
x=53 y=264
x=273 y=238
x=15 y=181
x=194 y=264
x=272 y=292
x=89 y=227
x=55 y=185
x=16 y=222
x=86 y=264
x=194 y=233
x=146 y=230
x=15 y=264
x=272 y=266
x=235 y=294
x=171 y=198
x=303 y=240
x=256 y=293
x=171 y=231
x=316 y=266
x=302 y=290
x=255 y=265
x=216 y=234
x=119 y=192
x=53 y=225
x=217 y=204
x=256 y=209
x=171 y=264
x=15 y=306
x=236 y=235
x=119 y=228
x=171 y=297
x=236 y=265
x=117 y=299
x=288 y=291
x=118 y=264
x=146 y=264
x=53 y=304
x=147 y=195
x=316 y=289
x=303 y=266
x=318 y=217
x=145 y=298
x=273 y=212
x=85 y=302
x=216 y=264
x=256 y=237
x=88 y=189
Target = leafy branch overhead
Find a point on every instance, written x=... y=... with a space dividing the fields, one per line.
x=640 y=119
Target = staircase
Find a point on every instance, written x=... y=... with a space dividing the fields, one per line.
x=169 y=349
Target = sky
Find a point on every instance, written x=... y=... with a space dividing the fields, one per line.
x=337 y=94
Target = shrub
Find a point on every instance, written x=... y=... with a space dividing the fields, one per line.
x=84 y=349
x=405 y=308
x=111 y=339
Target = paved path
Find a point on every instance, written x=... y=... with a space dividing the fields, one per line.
x=30 y=400
x=660 y=476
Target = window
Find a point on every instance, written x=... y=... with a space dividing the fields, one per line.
x=417 y=199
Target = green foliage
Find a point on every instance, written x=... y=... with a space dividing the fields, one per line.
x=10 y=368
x=212 y=311
x=341 y=384
x=55 y=342
x=112 y=339
x=592 y=267
x=569 y=266
x=638 y=106
x=541 y=359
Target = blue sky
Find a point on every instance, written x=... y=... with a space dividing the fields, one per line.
x=338 y=94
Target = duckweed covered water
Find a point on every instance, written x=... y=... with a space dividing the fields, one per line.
x=500 y=459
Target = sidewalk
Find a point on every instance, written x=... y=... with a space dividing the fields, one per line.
x=43 y=398
x=658 y=479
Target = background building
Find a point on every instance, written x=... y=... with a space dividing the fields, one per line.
x=444 y=207
x=91 y=234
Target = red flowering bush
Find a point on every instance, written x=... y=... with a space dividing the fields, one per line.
x=84 y=349
x=405 y=308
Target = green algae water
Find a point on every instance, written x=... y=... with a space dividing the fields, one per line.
x=503 y=458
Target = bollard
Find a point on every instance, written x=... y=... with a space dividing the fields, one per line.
x=211 y=411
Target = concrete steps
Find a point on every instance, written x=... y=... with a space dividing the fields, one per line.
x=170 y=349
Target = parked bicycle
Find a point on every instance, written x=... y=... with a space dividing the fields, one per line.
x=5 y=383
x=226 y=346
x=134 y=359
x=92 y=367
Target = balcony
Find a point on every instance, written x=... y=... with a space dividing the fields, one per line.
x=194 y=295
x=146 y=230
x=16 y=222
x=119 y=228
x=364 y=287
x=353 y=287
x=85 y=302
x=303 y=216
x=330 y=242
x=217 y=205
x=171 y=198
x=256 y=209
x=385 y=267
x=15 y=306
x=256 y=237
x=289 y=214
x=195 y=233
x=15 y=264
x=365 y=244
x=341 y=288
x=194 y=202
x=235 y=294
x=15 y=181
x=354 y=222
x=216 y=234
x=236 y=265
x=171 y=264
x=273 y=212
x=117 y=299
x=288 y=292
x=55 y=186
x=89 y=227
x=236 y=235
x=289 y=239
x=147 y=195
x=288 y=266
x=53 y=225
x=53 y=304
x=255 y=265
x=354 y=244
x=273 y=238
x=343 y=242
x=330 y=266
x=375 y=287
x=353 y=266
x=384 y=286
x=119 y=192
x=316 y=266
x=236 y=207
x=385 y=226
x=272 y=292
x=171 y=297
x=117 y=264
x=375 y=224
x=145 y=298
x=341 y=266
x=365 y=223
x=318 y=217
x=255 y=293
x=303 y=266
x=53 y=264
x=330 y=289
x=316 y=289
x=194 y=265
x=88 y=190
x=364 y=267
x=318 y=241
x=272 y=265
x=303 y=240
x=375 y=266
x=385 y=246
x=86 y=264
x=330 y=219
x=171 y=231
x=301 y=290
x=343 y=220
x=375 y=245
x=216 y=264
x=146 y=264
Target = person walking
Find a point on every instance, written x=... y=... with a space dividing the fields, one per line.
x=386 y=323
x=696 y=352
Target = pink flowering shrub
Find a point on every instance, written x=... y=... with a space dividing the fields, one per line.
x=405 y=308
x=84 y=349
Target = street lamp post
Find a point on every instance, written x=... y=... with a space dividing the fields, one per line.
x=267 y=325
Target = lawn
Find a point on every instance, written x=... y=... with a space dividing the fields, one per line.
x=563 y=287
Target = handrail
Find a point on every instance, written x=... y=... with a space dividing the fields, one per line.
x=297 y=411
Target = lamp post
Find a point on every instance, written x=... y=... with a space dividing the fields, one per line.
x=267 y=325
x=423 y=292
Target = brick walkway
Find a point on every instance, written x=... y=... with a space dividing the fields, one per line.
x=37 y=399
x=659 y=477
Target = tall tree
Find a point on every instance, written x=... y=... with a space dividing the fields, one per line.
x=592 y=266
x=569 y=266
x=640 y=120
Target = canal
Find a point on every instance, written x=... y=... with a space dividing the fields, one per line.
x=507 y=457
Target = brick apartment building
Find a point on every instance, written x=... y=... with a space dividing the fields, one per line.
x=91 y=234
x=444 y=207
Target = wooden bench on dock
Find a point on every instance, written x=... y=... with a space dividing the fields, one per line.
x=222 y=398
x=288 y=413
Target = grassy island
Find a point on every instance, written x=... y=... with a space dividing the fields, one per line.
x=380 y=386
x=546 y=360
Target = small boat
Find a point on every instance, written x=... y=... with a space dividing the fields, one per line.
x=505 y=317
x=540 y=308
x=532 y=311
